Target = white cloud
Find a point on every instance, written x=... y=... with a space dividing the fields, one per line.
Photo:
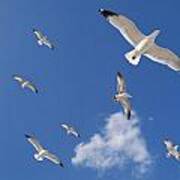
x=119 y=144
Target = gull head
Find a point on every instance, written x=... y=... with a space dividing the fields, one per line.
x=107 y=13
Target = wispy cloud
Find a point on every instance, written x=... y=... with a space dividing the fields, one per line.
x=120 y=143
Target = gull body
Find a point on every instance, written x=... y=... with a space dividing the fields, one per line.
x=141 y=48
x=172 y=149
x=143 y=44
x=40 y=156
x=122 y=96
x=42 y=153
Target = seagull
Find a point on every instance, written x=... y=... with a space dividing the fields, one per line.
x=25 y=84
x=143 y=45
x=122 y=96
x=42 y=39
x=172 y=149
x=70 y=130
x=41 y=152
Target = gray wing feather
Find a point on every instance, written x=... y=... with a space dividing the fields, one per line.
x=52 y=158
x=164 y=56
x=65 y=126
x=127 y=107
x=75 y=133
x=39 y=35
x=121 y=86
x=18 y=78
x=34 y=142
x=48 y=44
x=33 y=88
x=127 y=28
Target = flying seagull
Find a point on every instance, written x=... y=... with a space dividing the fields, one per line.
x=70 y=130
x=172 y=149
x=25 y=84
x=143 y=45
x=41 y=152
x=122 y=96
x=42 y=39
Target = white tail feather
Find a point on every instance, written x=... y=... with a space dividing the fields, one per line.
x=133 y=57
x=154 y=34
x=128 y=95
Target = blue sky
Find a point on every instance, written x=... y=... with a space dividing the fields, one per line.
x=77 y=82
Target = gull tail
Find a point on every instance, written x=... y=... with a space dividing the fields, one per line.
x=154 y=34
x=133 y=57
x=128 y=95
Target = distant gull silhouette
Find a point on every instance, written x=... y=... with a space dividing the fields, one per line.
x=25 y=84
x=172 y=149
x=41 y=152
x=42 y=39
x=70 y=130
x=122 y=96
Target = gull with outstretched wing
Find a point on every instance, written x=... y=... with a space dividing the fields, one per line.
x=41 y=152
x=172 y=149
x=42 y=39
x=122 y=96
x=25 y=84
x=70 y=130
x=143 y=45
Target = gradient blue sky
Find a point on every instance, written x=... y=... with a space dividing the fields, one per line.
x=77 y=82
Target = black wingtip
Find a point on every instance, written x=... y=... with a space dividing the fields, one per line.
x=14 y=75
x=128 y=115
x=27 y=136
x=107 y=13
x=61 y=164
x=119 y=74
x=34 y=30
x=52 y=47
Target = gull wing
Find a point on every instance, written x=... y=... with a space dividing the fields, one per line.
x=163 y=56
x=126 y=27
x=178 y=156
x=48 y=44
x=34 y=142
x=32 y=88
x=127 y=107
x=18 y=78
x=53 y=158
x=39 y=35
x=121 y=86
x=65 y=126
x=75 y=133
